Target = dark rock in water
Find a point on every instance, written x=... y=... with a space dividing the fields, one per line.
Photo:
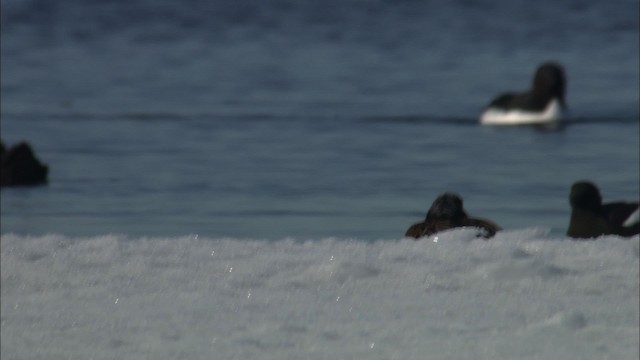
x=447 y=212
x=20 y=167
x=591 y=218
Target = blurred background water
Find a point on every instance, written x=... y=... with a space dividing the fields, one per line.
x=271 y=119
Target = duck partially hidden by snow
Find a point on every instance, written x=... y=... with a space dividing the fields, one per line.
x=447 y=212
x=544 y=104
x=591 y=218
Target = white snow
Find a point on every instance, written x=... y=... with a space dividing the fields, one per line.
x=521 y=295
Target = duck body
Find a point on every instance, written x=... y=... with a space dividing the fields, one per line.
x=552 y=113
x=543 y=104
x=20 y=166
x=447 y=212
x=590 y=218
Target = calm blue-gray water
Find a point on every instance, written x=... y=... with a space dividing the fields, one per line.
x=274 y=119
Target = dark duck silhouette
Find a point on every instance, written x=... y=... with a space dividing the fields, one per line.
x=447 y=212
x=591 y=218
x=543 y=104
x=20 y=167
